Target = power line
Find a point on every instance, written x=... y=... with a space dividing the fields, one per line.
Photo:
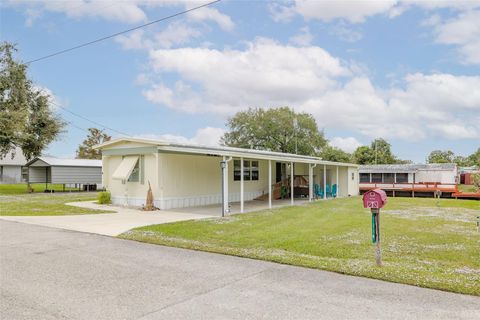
x=94 y=122
x=122 y=32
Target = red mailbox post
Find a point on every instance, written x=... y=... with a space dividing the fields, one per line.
x=375 y=200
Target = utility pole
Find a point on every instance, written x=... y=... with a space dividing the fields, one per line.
x=375 y=151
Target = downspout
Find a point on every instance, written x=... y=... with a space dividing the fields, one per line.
x=224 y=166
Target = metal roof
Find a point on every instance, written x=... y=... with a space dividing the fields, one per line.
x=58 y=162
x=406 y=168
x=18 y=160
x=223 y=151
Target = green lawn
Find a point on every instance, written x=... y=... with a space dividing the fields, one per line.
x=44 y=204
x=425 y=242
x=21 y=188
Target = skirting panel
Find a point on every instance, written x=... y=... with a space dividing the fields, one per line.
x=185 y=202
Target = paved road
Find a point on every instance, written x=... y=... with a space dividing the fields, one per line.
x=48 y=273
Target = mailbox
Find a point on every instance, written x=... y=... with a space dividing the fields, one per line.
x=374 y=199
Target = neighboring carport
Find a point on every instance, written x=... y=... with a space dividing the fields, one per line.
x=79 y=173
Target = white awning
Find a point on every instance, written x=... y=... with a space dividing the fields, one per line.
x=125 y=168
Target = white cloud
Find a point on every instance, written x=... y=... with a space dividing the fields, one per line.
x=304 y=38
x=208 y=136
x=126 y=11
x=345 y=33
x=349 y=144
x=176 y=33
x=212 y=14
x=268 y=74
x=265 y=73
x=351 y=11
x=464 y=32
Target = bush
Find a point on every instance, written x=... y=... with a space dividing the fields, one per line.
x=476 y=181
x=104 y=197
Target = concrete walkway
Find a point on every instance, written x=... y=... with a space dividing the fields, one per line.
x=110 y=224
x=50 y=273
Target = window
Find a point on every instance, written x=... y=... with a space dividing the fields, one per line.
x=250 y=170
x=236 y=170
x=254 y=170
x=376 y=177
x=365 y=177
x=388 y=177
x=353 y=175
x=401 y=177
x=135 y=175
x=246 y=170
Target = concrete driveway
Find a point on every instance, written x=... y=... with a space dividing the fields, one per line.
x=48 y=273
x=110 y=224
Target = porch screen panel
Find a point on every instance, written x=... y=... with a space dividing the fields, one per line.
x=376 y=177
x=388 y=178
x=365 y=177
x=402 y=177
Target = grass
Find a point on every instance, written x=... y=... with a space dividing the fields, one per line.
x=425 y=242
x=467 y=188
x=45 y=204
x=21 y=188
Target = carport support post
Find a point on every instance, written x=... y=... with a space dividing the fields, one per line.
x=241 y=185
x=310 y=182
x=324 y=181
x=269 y=184
x=291 y=183
x=336 y=182
x=223 y=165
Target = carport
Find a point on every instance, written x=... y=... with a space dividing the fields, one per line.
x=80 y=173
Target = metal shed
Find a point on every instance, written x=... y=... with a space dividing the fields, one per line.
x=79 y=172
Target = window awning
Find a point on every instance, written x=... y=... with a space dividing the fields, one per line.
x=125 y=168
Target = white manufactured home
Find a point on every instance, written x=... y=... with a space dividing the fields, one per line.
x=184 y=175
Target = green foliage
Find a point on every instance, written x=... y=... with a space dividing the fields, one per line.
x=104 y=197
x=275 y=130
x=424 y=241
x=330 y=153
x=26 y=117
x=379 y=152
x=476 y=181
x=448 y=156
x=86 y=151
x=440 y=156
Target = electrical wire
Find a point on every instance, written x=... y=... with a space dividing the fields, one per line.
x=122 y=32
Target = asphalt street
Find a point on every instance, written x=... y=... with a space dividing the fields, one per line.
x=48 y=273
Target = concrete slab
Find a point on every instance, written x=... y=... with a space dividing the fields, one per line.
x=50 y=273
x=110 y=224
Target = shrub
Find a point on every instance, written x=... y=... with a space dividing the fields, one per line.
x=476 y=181
x=104 y=197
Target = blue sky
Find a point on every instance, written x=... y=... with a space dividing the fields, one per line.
x=405 y=71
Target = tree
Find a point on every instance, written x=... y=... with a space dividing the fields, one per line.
x=474 y=158
x=330 y=153
x=364 y=155
x=280 y=129
x=379 y=152
x=86 y=151
x=440 y=156
x=476 y=181
x=27 y=119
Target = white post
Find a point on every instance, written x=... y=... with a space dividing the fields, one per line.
x=291 y=183
x=324 y=181
x=225 y=186
x=241 y=185
x=338 y=188
x=270 y=184
x=310 y=182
